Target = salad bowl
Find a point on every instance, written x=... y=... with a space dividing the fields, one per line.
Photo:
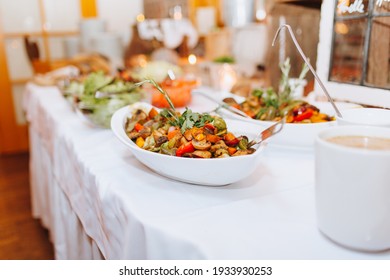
x=83 y=95
x=199 y=171
x=299 y=136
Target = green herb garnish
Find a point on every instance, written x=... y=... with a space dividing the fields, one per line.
x=271 y=99
x=187 y=120
x=190 y=119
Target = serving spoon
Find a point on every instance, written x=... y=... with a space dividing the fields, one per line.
x=222 y=104
x=308 y=64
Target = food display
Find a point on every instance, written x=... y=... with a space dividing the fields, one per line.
x=179 y=90
x=189 y=134
x=190 y=166
x=170 y=77
x=269 y=105
x=97 y=96
x=265 y=105
x=156 y=70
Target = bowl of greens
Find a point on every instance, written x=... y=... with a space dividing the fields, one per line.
x=97 y=96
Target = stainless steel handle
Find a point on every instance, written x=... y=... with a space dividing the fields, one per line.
x=308 y=64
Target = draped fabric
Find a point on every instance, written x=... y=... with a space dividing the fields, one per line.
x=99 y=202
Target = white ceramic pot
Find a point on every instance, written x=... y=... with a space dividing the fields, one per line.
x=352 y=189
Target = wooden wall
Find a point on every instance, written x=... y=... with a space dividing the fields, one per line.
x=305 y=24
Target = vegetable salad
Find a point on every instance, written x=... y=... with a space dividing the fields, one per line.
x=189 y=134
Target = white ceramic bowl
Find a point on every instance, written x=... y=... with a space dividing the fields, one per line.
x=365 y=116
x=210 y=172
x=294 y=135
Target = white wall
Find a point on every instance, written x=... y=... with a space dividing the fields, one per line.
x=120 y=15
x=20 y=16
x=62 y=15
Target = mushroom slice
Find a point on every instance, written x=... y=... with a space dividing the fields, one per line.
x=201 y=154
x=221 y=152
x=219 y=145
x=145 y=132
x=188 y=135
x=201 y=145
x=139 y=115
x=133 y=135
x=244 y=152
x=149 y=123
x=159 y=138
x=223 y=156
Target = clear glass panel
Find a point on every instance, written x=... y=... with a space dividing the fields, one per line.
x=20 y=16
x=62 y=15
x=347 y=60
x=382 y=6
x=351 y=7
x=378 y=67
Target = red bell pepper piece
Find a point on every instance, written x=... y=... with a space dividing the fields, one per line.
x=210 y=128
x=185 y=148
x=304 y=115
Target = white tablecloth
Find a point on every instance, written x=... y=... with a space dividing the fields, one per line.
x=98 y=201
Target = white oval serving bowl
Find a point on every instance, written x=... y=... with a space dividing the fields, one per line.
x=297 y=135
x=365 y=116
x=209 y=172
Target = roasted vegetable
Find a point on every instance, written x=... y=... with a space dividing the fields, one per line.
x=188 y=135
x=269 y=105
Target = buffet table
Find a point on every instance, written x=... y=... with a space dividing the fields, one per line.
x=99 y=202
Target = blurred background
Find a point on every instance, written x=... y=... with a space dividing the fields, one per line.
x=38 y=36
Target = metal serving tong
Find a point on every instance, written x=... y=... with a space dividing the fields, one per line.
x=103 y=94
x=222 y=104
x=308 y=64
x=268 y=132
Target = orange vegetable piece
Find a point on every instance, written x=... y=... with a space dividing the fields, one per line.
x=140 y=142
x=152 y=113
x=212 y=138
x=138 y=127
x=229 y=136
x=231 y=150
x=172 y=133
